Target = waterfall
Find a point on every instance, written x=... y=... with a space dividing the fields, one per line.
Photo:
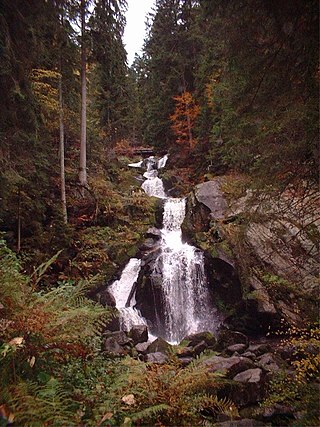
x=187 y=300
x=121 y=290
x=187 y=306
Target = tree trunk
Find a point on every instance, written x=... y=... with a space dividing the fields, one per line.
x=19 y=223
x=83 y=131
x=61 y=149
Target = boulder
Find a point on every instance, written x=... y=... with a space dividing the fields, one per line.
x=229 y=365
x=159 y=346
x=239 y=348
x=210 y=195
x=269 y=363
x=185 y=361
x=156 y=357
x=106 y=298
x=138 y=334
x=226 y=338
x=252 y=386
x=119 y=336
x=142 y=347
x=112 y=347
x=197 y=338
x=185 y=352
x=199 y=348
x=259 y=349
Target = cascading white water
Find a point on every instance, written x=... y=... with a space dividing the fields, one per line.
x=153 y=185
x=187 y=307
x=121 y=290
x=187 y=300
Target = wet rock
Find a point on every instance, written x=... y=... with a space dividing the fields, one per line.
x=269 y=362
x=230 y=365
x=195 y=339
x=156 y=357
x=185 y=361
x=111 y=347
x=249 y=354
x=139 y=334
x=142 y=347
x=252 y=386
x=154 y=233
x=239 y=348
x=226 y=338
x=159 y=345
x=210 y=194
x=277 y=412
x=199 y=348
x=259 y=349
x=105 y=298
x=119 y=336
x=185 y=352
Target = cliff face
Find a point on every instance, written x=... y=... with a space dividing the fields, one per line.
x=262 y=251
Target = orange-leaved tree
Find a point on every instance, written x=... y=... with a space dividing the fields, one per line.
x=183 y=119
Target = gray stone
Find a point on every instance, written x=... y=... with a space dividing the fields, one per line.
x=195 y=339
x=139 y=334
x=239 y=348
x=156 y=357
x=185 y=361
x=153 y=232
x=119 y=336
x=142 y=347
x=268 y=362
x=209 y=193
x=259 y=349
x=112 y=347
x=249 y=354
x=252 y=387
x=230 y=365
x=226 y=338
x=159 y=345
x=249 y=376
x=199 y=348
x=185 y=352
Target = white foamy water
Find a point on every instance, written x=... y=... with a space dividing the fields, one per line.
x=121 y=290
x=187 y=300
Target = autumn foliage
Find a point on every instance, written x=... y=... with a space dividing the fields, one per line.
x=183 y=119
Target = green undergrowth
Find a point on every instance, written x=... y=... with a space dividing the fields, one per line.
x=54 y=373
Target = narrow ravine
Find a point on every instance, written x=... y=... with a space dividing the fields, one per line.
x=187 y=306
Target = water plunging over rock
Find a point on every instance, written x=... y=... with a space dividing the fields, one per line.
x=172 y=295
x=122 y=290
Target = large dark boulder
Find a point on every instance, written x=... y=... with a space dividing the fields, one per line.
x=231 y=366
x=226 y=338
x=252 y=386
x=195 y=339
x=159 y=345
x=138 y=334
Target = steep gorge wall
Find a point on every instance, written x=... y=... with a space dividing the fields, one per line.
x=262 y=252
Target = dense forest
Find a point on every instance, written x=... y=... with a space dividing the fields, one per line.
x=229 y=89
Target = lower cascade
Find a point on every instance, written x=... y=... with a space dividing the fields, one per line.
x=186 y=301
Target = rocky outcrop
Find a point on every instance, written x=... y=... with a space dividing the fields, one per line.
x=261 y=252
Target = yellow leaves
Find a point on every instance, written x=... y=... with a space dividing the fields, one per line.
x=45 y=88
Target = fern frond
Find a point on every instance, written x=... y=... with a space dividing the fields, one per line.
x=149 y=413
x=35 y=405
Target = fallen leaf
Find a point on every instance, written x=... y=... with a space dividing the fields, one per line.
x=18 y=341
x=129 y=399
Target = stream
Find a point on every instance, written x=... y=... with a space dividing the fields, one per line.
x=186 y=299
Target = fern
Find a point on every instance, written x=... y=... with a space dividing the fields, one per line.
x=49 y=404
